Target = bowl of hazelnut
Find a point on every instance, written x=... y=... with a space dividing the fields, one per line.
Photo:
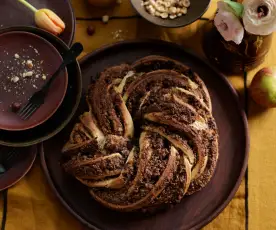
x=171 y=13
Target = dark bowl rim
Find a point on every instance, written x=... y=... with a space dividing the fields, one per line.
x=224 y=204
x=167 y=25
x=75 y=107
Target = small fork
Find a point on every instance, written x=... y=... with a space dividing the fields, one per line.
x=7 y=158
x=38 y=97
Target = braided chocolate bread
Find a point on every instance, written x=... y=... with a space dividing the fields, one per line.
x=148 y=139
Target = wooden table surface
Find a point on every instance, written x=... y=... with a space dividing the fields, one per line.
x=33 y=206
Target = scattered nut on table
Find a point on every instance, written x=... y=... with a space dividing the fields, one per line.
x=90 y=30
x=105 y=19
x=170 y=9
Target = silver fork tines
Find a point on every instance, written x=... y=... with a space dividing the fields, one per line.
x=8 y=159
x=10 y=156
x=28 y=110
x=38 y=98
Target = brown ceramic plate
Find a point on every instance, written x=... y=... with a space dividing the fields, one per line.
x=194 y=211
x=195 y=11
x=13 y=13
x=21 y=165
x=66 y=110
x=17 y=50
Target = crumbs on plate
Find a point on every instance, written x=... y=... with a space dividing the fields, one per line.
x=21 y=71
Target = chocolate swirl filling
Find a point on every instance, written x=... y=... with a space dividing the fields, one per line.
x=148 y=139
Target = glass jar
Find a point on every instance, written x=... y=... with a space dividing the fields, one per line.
x=231 y=58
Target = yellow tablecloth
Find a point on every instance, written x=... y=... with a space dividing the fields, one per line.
x=33 y=206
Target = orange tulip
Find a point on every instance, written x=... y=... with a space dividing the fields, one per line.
x=48 y=20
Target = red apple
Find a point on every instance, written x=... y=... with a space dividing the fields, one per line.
x=263 y=87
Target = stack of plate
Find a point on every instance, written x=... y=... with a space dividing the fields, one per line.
x=59 y=106
x=18 y=30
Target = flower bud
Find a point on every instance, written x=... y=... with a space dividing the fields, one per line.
x=228 y=24
x=48 y=20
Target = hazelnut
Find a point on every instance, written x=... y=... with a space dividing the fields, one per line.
x=28 y=74
x=105 y=19
x=16 y=106
x=44 y=77
x=29 y=64
x=14 y=79
x=90 y=30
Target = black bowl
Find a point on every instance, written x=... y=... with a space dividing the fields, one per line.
x=195 y=11
x=66 y=110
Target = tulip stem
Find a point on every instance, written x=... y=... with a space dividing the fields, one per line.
x=24 y=2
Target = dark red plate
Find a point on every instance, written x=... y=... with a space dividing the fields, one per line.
x=66 y=110
x=194 y=211
x=22 y=54
x=22 y=163
x=13 y=13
